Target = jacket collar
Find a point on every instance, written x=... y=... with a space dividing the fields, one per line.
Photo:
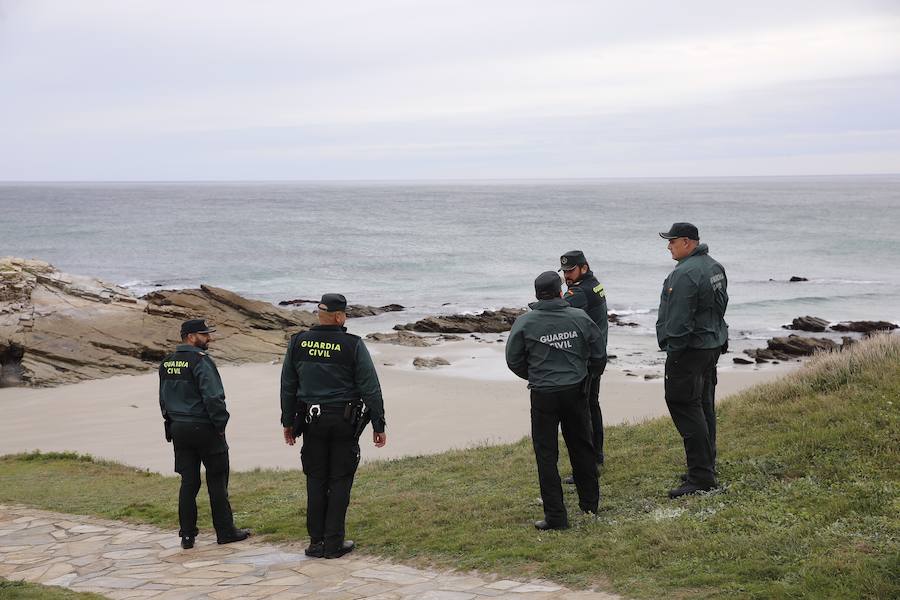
x=700 y=250
x=553 y=304
x=328 y=328
x=188 y=348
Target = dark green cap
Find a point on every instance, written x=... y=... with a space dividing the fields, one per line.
x=195 y=326
x=678 y=230
x=547 y=285
x=333 y=303
x=571 y=259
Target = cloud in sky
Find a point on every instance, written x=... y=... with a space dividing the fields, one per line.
x=402 y=89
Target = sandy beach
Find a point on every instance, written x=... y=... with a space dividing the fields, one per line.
x=473 y=401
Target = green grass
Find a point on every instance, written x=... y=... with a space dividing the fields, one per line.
x=809 y=509
x=19 y=590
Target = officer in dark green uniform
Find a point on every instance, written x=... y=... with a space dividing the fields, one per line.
x=192 y=402
x=586 y=293
x=329 y=377
x=557 y=348
x=691 y=328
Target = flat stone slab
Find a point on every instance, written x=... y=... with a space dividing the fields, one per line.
x=121 y=560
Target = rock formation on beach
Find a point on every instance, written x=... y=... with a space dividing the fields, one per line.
x=401 y=338
x=354 y=311
x=57 y=328
x=792 y=347
x=815 y=324
x=489 y=321
x=430 y=362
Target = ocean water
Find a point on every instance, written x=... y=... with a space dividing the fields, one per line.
x=466 y=246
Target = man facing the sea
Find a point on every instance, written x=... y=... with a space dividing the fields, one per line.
x=557 y=348
x=585 y=292
x=691 y=329
x=192 y=401
x=327 y=379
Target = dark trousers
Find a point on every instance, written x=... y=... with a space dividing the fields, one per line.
x=549 y=411
x=690 y=397
x=197 y=443
x=708 y=401
x=330 y=456
x=596 y=420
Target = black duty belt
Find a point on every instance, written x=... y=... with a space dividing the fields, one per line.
x=333 y=408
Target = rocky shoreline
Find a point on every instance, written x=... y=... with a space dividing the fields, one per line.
x=57 y=328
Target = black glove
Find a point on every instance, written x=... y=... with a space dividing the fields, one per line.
x=167 y=427
x=725 y=348
x=596 y=368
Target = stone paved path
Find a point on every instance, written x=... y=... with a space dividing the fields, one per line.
x=121 y=560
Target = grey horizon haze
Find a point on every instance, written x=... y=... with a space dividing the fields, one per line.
x=198 y=91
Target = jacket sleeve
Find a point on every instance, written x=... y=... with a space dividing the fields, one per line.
x=211 y=391
x=576 y=297
x=597 y=343
x=290 y=383
x=369 y=387
x=516 y=352
x=162 y=398
x=681 y=310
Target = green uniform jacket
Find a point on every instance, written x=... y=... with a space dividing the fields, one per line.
x=551 y=345
x=327 y=365
x=692 y=305
x=190 y=388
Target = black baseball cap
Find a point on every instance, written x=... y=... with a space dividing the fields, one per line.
x=195 y=326
x=547 y=285
x=678 y=230
x=571 y=259
x=333 y=303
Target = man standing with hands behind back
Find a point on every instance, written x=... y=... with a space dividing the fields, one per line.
x=327 y=377
x=691 y=329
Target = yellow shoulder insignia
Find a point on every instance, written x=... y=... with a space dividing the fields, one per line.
x=599 y=290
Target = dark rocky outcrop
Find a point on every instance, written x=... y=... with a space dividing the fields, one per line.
x=864 y=326
x=617 y=320
x=808 y=323
x=816 y=324
x=297 y=302
x=58 y=328
x=489 y=321
x=797 y=278
x=791 y=347
x=354 y=311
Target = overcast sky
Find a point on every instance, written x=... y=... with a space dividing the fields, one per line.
x=419 y=89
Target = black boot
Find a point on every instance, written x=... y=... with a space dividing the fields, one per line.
x=337 y=552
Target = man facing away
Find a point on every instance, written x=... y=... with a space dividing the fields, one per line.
x=326 y=379
x=691 y=329
x=585 y=292
x=192 y=401
x=556 y=348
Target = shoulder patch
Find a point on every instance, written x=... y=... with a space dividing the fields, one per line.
x=598 y=289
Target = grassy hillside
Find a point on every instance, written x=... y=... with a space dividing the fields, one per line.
x=809 y=506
